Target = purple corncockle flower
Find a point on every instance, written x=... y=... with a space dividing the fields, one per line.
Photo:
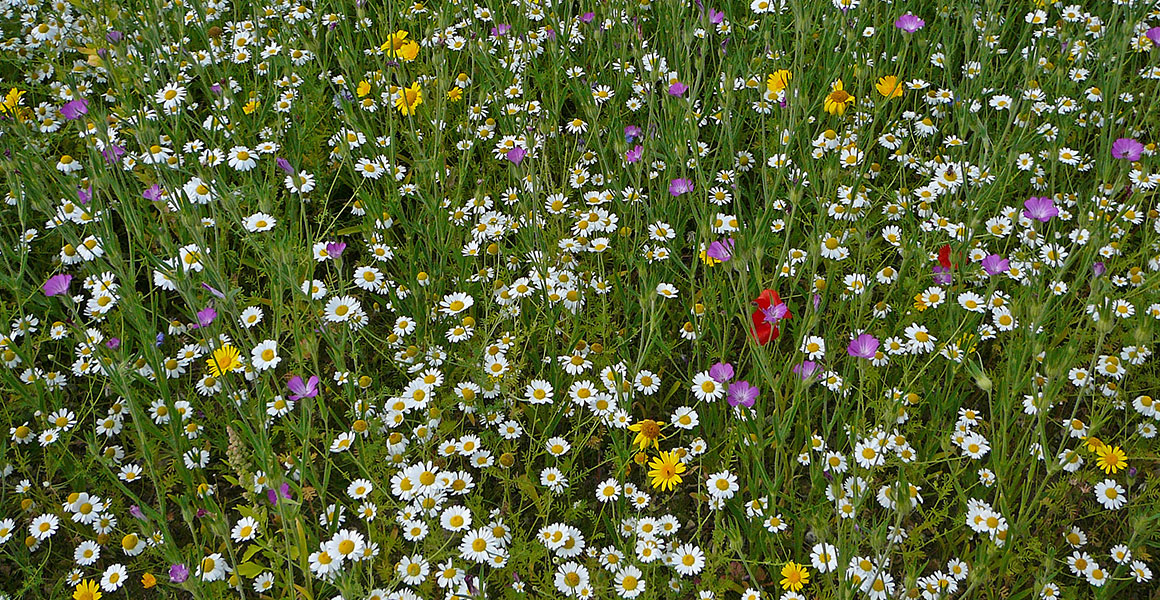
x=205 y=316
x=742 y=394
x=1099 y=268
x=335 y=249
x=716 y=16
x=300 y=389
x=1128 y=149
x=678 y=89
x=863 y=346
x=516 y=155
x=211 y=289
x=178 y=573
x=942 y=275
x=112 y=153
x=113 y=343
x=57 y=284
x=216 y=88
x=806 y=370
x=500 y=30
x=283 y=491
x=136 y=512
x=634 y=154
x=284 y=165
x=680 y=186
x=817 y=300
x=153 y=194
x=775 y=313
x=909 y=23
x=721 y=372
x=113 y=36
x=588 y=17
x=721 y=251
x=631 y=132
x=994 y=264
x=1154 y=35
x=84 y=194
x=74 y=110
x=1040 y=208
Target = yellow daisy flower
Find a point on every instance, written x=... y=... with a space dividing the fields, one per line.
x=666 y=471
x=838 y=99
x=224 y=359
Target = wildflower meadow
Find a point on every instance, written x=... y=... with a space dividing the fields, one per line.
x=579 y=299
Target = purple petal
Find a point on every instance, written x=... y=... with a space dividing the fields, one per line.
x=213 y=290
x=73 y=110
x=721 y=372
x=57 y=284
x=1127 y=149
x=863 y=346
x=206 y=316
x=1154 y=35
x=516 y=155
x=284 y=165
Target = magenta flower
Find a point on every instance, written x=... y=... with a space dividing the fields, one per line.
x=721 y=372
x=680 y=186
x=678 y=89
x=283 y=491
x=942 y=275
x=994 y=264
x=634 y=154
x=775 y=313
x=806 y=370
x=721 y=251
x=74 y=110
x=1127 y=148
x=516 y=155
x=114 y=36
x=1154 y=35
x=631 y=132
x=178 y=573
x=1041 y=209
x=335 y=249
x=909 y=23
x=211 y=289
x=153 y=194
x=284 y=165
x=716 y=16
x=742 y=394
x=300 y=389
x=863 y=346
x=57 y=284
x=205 y=316
x=112 y=153
x=587 y=17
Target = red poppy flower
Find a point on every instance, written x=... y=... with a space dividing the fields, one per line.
x=944 y=256
x=770 y=310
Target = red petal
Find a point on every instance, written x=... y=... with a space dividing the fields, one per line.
x=944 y=256
x=762 y=330
x=762 y=300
